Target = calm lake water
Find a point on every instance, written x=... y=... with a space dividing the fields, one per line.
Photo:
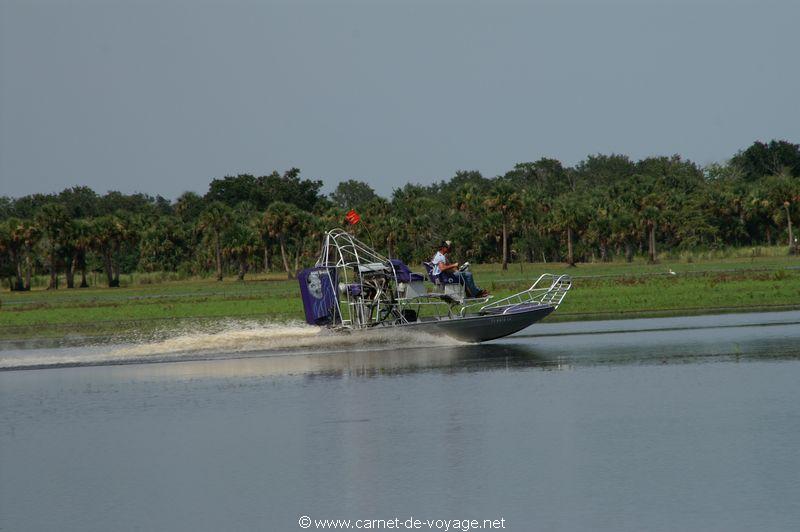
x=660 y=424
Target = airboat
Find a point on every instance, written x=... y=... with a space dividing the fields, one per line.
x=354 y=288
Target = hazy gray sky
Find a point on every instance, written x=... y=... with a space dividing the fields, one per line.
x=161 y=97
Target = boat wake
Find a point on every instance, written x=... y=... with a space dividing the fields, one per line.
x=231 y=340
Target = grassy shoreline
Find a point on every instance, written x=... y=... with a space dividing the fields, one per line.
x=601 y=291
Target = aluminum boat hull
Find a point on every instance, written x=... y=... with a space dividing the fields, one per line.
x=482 y=328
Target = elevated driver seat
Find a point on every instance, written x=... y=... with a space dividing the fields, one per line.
x=445 y=283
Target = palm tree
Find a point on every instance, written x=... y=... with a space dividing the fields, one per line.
x=599 y=229
x=5 y=251
x=69 y=250
x=561 y=220
x=240 y=241
x=108 y=233
x=102 y=234
x=213 y=221
x=30 y=235
x=504 y=200
x=82 y=236
x=189 y=206
x=163 y=244
x=649 y=214
x=257 y=224
x=569 y=215
x=532 y=213
x=308 y=233
x=624 y=228
x=426 y=223
x=127 y=233
x=382 y=223
x=52 y=220
x=282 y=218
x=759 y=214
x=781 y=192
x=14 y=244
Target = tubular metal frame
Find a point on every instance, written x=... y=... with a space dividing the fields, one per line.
x=368 y=295
x=349 y=257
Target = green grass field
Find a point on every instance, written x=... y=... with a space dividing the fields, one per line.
x=600 y=291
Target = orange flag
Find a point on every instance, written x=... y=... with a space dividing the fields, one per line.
x=352 y=217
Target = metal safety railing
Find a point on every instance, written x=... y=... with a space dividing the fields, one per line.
x=548 y=289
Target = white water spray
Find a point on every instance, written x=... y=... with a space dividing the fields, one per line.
x=225 y=340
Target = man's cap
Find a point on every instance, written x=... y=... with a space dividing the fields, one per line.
x=445 y=244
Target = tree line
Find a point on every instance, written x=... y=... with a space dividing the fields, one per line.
x=604 y=207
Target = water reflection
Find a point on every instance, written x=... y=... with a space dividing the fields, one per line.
x=560 y=347
x=548 y=353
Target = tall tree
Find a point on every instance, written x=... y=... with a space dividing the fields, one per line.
x=6 y=262
x=382 y=222
x=624 y=228
x=240 y=241
x=109 y=234
x=83 y=238
x=599 y=228
x=650 y=207
x=532 y=223
x=30 y=234
x=471 y=179
x=232 y=190
x=782 y=195
x=80 y=202
x=546 y=175
x=68 y=250
x=352 y=194
x=604 y=170
x=282 y=218
x=289 y=188
x=164 y=244
x=764 y=159
x=52 y=220
x=569 y=215
x=504 y=200
x=14 y=244
x=258 y=224
x=213 y=221
x=307 y=234
x=189 y=206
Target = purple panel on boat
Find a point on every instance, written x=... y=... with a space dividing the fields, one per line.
x=318 y=290
x=401 y=271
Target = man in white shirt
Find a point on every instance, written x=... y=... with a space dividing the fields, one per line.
x=441 y=266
